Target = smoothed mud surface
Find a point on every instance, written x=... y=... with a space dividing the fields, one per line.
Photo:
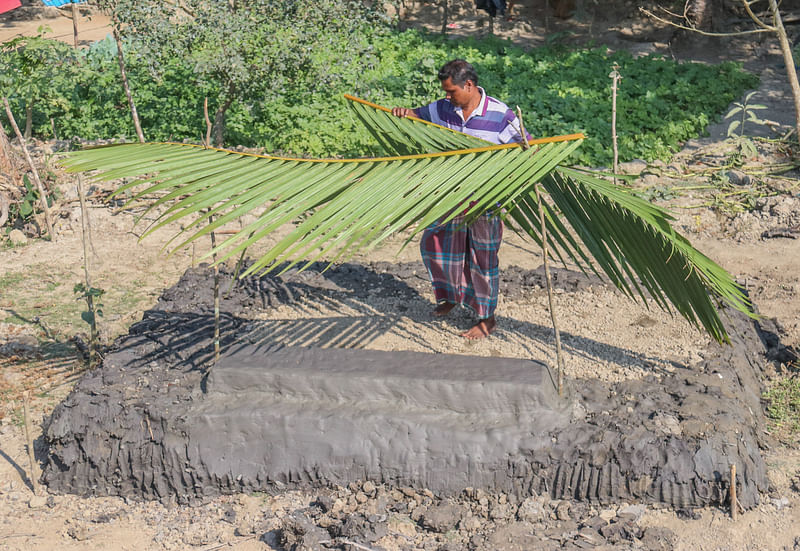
x=140 y=425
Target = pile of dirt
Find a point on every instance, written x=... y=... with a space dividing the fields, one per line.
x=128 y=427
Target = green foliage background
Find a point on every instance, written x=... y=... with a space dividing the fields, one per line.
x=661 y=103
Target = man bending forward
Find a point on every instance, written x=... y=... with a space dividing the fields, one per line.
x=462 y=260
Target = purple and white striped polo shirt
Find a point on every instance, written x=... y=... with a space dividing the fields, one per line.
x=492 y=120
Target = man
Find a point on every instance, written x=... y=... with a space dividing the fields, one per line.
x=462 y=260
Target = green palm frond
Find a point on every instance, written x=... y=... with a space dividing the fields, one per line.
x=408 y=136
x=630 y=240
x=340 y=206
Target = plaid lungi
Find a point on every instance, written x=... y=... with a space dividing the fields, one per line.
x=462 y=262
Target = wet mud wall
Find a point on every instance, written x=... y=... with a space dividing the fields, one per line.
x=139 y=425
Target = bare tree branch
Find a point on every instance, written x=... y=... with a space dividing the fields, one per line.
x=755 y=18
x=698 y=31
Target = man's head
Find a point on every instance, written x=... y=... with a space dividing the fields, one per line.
x=459 y=82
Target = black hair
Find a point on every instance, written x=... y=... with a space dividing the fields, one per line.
x=459 y=72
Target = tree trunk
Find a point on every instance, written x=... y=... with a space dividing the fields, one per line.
x=699 y=13
x=563 y=8
x=75 y=25
x=445 y=10
x=219 y=122
x=125 y=85
x=788 y=60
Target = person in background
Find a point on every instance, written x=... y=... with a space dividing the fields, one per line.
x=462 y=261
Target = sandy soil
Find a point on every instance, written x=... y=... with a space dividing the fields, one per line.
x=57 y=23
x=614 y=336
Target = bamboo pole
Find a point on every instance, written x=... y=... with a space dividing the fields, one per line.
x=213 y=246
x=615 y=77
x=39 y=186
x=733 y=501
x=34 y=474
x=548 y=282
x=86 y=273
x=216 y=294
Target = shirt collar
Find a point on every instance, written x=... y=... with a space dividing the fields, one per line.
x=479 y=111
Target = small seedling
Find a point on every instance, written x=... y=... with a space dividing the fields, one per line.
x=94 y=310
x=747 y=111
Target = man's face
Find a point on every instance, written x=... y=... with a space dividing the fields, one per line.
x=459 y=96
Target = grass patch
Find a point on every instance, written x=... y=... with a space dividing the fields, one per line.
x=783 y=407
x=10 y=280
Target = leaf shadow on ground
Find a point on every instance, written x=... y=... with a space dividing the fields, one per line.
x=348 y=306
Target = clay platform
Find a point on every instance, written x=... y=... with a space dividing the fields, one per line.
x=155 y=423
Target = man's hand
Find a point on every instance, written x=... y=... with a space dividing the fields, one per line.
x=402 y=112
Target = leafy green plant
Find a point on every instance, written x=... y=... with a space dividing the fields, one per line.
x=36 y=73
x=745 y=146
x=748 y=114
x=24 y=209
x=92 y=297
x=300 y=109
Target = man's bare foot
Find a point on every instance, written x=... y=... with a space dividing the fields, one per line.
x=443 y=309
x=480 y=330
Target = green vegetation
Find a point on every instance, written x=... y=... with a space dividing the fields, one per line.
x=296 y=106
x=784 y=406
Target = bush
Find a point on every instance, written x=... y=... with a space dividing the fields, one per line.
x=661 y=103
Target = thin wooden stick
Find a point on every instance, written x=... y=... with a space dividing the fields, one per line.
x=86 y=273
x=733 y=501
x=615 y=77
x=121 y=61
x=549 y=284
x=559 y=358
x=213 y=246
x=216 y=292
x=39 y=186
x=523 y=138
x=29 y=440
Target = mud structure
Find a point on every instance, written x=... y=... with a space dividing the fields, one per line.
x=154 y=422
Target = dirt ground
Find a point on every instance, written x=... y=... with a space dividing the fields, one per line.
x=609 y=335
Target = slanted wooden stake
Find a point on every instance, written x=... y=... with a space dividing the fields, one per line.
x=559 y=357
x=734 y=501
x=615 y=78
x=29 y=441
x=39 y=186
x=548 y=282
